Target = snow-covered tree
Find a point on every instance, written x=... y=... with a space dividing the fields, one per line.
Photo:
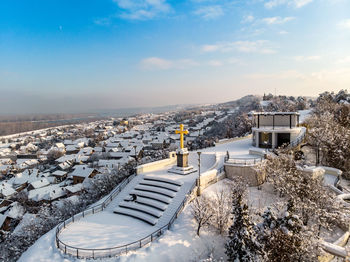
x=222 y=208
x=311 y=200
x=285 y=238
x=53 y=154
x=329 y=133
x=242 y=244
x=202 y=211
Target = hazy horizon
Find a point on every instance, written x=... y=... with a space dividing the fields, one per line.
x=77 y=56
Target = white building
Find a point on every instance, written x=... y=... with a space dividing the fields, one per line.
x=274 y=129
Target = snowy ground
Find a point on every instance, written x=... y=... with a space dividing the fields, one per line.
x=180 y=238
x=107 y=229
x=104 y=230
x=236 y=149
x=180 y=243
x=261 y=197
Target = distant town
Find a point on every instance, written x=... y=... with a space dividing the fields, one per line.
x=50 y=175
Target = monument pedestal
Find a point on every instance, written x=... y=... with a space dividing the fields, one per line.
x=182 y=167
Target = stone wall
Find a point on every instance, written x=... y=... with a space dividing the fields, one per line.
x=314 y=172
x=229 y=140
x=209 y=178
x=250 y=174
x=157 y=164
x=341 y=242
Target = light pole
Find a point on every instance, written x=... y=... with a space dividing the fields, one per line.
x=135 y=153
x=199 y=172
x=317 y=155
x=265 y=143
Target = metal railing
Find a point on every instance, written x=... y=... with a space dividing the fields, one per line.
x=118 y=250
x=299 y=139
x=90 y=211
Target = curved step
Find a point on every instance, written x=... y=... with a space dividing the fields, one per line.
x=157 y=190
x=163 y=179
x=142 y=208
x=149 y=202
x=136 y=214
x=154 y=196
x=161 y=185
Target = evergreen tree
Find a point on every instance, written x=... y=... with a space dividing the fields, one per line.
x=242 y=245
x=284 y=238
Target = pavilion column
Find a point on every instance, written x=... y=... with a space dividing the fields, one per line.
x=274 y=138
x=298 y=119
x=273 y=121
x=257 y=138
x=290 y=121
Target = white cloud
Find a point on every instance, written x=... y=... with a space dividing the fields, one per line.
x=142 y=9
x=282 y=32
x=344 y=24
x=273 y=3
x=295 y=3
x=210 y=12
x=307 y=58
x=344 y=60
x=277 y=20
x=156 y=63
x=259 y=46
x=248 y=19
x=202 y=1
x=337 y=76
x=102 y=21
x=280 y=75
x=215 y=63
x=211 y=48
x=234 y=60
x=301 y=3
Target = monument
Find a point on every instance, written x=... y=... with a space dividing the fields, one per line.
x=182 y=167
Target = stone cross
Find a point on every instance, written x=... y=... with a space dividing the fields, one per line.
x=182 y=132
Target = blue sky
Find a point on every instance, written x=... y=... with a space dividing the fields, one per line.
x=78 y=56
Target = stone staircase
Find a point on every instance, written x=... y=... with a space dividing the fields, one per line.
x=154 y=195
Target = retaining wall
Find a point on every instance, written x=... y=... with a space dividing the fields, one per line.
x=229 y=140
x=250 y=174
x=157 y=164
x=341 y=242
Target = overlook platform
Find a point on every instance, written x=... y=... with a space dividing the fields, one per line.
x=159 y=196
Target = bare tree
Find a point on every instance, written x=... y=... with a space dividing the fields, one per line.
x=53 y=154
x=222 y=208
x=202 y=211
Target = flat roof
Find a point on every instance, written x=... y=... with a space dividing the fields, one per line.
x=275 y=113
